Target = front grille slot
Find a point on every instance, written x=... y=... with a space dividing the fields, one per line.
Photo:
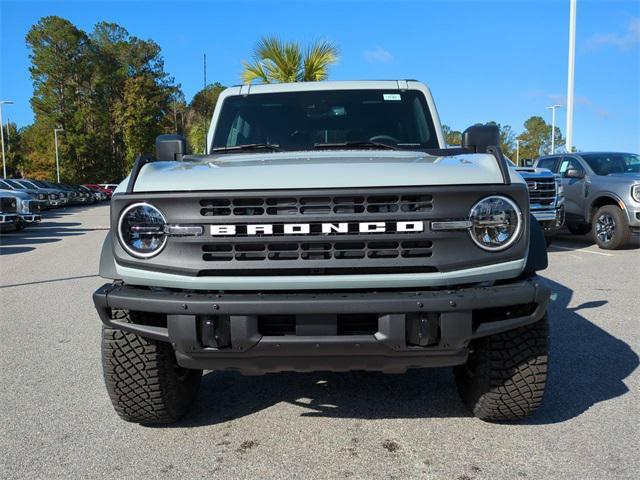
x=542 y=191
x=330 y=250
x=316 y=205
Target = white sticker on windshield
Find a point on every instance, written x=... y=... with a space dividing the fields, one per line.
x=391 y=96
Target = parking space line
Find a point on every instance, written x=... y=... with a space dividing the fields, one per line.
x=583 y=250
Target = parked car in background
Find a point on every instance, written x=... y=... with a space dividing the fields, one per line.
x=27 y=208
x=8 y=212
x=97 y=188
x=61 y=198
x=32 y=192
x=89 y=194
x=602 y=194
x=546 y=198
x=109 y=186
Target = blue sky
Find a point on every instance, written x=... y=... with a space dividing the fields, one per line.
x=502 y=61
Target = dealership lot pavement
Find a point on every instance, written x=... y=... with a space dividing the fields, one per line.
x=57 y=420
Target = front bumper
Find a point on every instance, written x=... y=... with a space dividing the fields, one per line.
x=411 y=328
x=30 y=217
x=8 y=219
x=550 y=219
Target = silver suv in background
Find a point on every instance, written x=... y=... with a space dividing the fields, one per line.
x=602 y=194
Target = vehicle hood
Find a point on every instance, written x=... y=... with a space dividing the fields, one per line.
x=530 y=172
x=15 y=194
x=317 y=169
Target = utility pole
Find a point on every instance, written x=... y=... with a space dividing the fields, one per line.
x=518 y=151
x=570 y=76
x=55 y=136
x=553 y=127
x=8 y=135
x=4 y=165
x=204 y=92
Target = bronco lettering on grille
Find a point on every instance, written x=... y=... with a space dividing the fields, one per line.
x=316 y=228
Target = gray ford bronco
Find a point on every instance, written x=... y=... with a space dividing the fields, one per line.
x=327 y=228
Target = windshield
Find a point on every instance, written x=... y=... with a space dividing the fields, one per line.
x=15 y=184
x=608 y=163
x=5 y=185
x=26 y=184
x=307 y=120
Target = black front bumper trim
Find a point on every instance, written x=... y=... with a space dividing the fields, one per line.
x=386 y=350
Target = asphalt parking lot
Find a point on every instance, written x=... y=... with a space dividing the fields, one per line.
x=56 y=419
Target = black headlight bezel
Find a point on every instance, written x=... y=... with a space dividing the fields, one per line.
x=128 y=248
x=513 y=238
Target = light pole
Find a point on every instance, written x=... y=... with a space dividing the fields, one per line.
x=55 y=136
x=553 y=127
x=4 y=165
x=517 y=151
x=572 y=61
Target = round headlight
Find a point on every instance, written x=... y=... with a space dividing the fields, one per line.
x=496 y=223
x=141 y=230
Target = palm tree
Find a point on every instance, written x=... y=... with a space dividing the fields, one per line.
x=276 y=61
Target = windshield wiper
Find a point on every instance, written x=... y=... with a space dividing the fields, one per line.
x=272 y=147
x=364 y=145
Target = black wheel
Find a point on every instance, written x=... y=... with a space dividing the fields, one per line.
x=610 y=228
x=548 y=241
x=505 y=375
x=20 y=225
x=143 y=379
x=579 y=228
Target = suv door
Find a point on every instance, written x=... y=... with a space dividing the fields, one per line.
x=574 y=188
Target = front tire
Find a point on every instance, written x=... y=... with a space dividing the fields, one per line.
x=610 y=228
x=144 y=382
x=506 y=374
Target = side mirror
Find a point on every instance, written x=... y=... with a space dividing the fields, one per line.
x=479 y=137
x=574 y=173
x=170 y=147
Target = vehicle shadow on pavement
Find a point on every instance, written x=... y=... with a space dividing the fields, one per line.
x=44 y=232
x=587 y=366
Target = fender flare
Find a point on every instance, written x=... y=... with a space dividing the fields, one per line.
x=107 y=261
x=537 y=258
x=614 y=196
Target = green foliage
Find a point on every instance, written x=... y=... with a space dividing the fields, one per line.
x=452 y=137
x=139 y=115
x=536 y=138
x=277 y=61
x=107 y=90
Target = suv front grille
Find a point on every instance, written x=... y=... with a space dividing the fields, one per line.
x=542 y=192
x=328 y=206
x=8 y=205
x=328 y=250
x=338 y=238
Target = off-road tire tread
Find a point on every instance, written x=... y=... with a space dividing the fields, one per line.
x=141 y=379
x=510 y=375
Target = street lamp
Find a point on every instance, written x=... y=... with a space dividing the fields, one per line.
x=55 y=135
x=517 y=151
x=4 y=165
x=553 y=127
x=570 y=74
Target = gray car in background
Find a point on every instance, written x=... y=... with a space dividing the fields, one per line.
x=602 y=194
